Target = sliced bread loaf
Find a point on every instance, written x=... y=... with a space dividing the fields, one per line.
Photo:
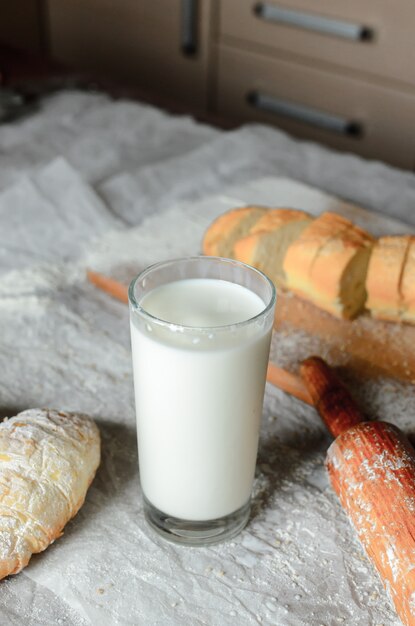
x=269 y=238
x=304 y=250
x=385 y=277
x=221 y=235
x=408 y=285
x=327 y=265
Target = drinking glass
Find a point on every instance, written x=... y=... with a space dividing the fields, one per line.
x=200 y=335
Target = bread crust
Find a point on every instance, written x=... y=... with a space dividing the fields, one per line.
x=408 y=285
x=327 y=265
x=275 y=218
x=224 y=230
x=333 y=259
x=304 y=250
x=244 y=249
x=265 y=246
x=47 y=461
x=384 y=277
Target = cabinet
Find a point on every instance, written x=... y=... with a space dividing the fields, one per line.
x=374 y=37
x=161 y=46
x=308 y=102
x=21 y=25
x=339 y=73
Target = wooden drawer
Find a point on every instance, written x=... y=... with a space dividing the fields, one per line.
x=20 y=25
x=138 y=43
x=335 y=107
x=377 y=36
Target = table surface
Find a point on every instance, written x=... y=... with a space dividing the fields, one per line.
x=88 y=182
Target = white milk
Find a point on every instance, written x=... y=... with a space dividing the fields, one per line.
x=199 y=397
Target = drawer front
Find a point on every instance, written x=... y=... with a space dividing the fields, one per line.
x=374 y=36
x=138 y=43
x=339 y=111
x=20 y=25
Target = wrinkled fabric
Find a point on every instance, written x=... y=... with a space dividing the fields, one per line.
x=114 y=186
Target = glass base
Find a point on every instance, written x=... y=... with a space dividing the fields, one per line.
x=195 y=533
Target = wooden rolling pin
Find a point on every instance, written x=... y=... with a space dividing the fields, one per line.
x=372 y=469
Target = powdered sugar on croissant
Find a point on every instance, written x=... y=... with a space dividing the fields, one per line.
x=48 y=459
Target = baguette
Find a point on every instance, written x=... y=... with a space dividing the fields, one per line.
x=303 y=251
x=47 y=462
x=328 y=261
x=269 y=239
x=384 y=281
x=227 y=228
x=327 y=265
x=408 y=285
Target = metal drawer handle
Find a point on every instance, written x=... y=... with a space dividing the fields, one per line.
x=305 y=114
x=309 y=21
x=189 y=27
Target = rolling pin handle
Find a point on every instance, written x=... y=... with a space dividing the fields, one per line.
x=331 y=399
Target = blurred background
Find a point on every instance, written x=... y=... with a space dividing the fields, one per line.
x=340 y=73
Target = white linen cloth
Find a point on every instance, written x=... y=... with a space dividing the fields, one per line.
x=84 y=183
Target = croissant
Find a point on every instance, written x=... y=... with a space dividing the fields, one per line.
x=47 y=462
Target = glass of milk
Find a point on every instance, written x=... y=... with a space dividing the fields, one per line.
x=200 y=335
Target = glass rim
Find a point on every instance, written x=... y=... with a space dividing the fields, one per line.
x=137 y=308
